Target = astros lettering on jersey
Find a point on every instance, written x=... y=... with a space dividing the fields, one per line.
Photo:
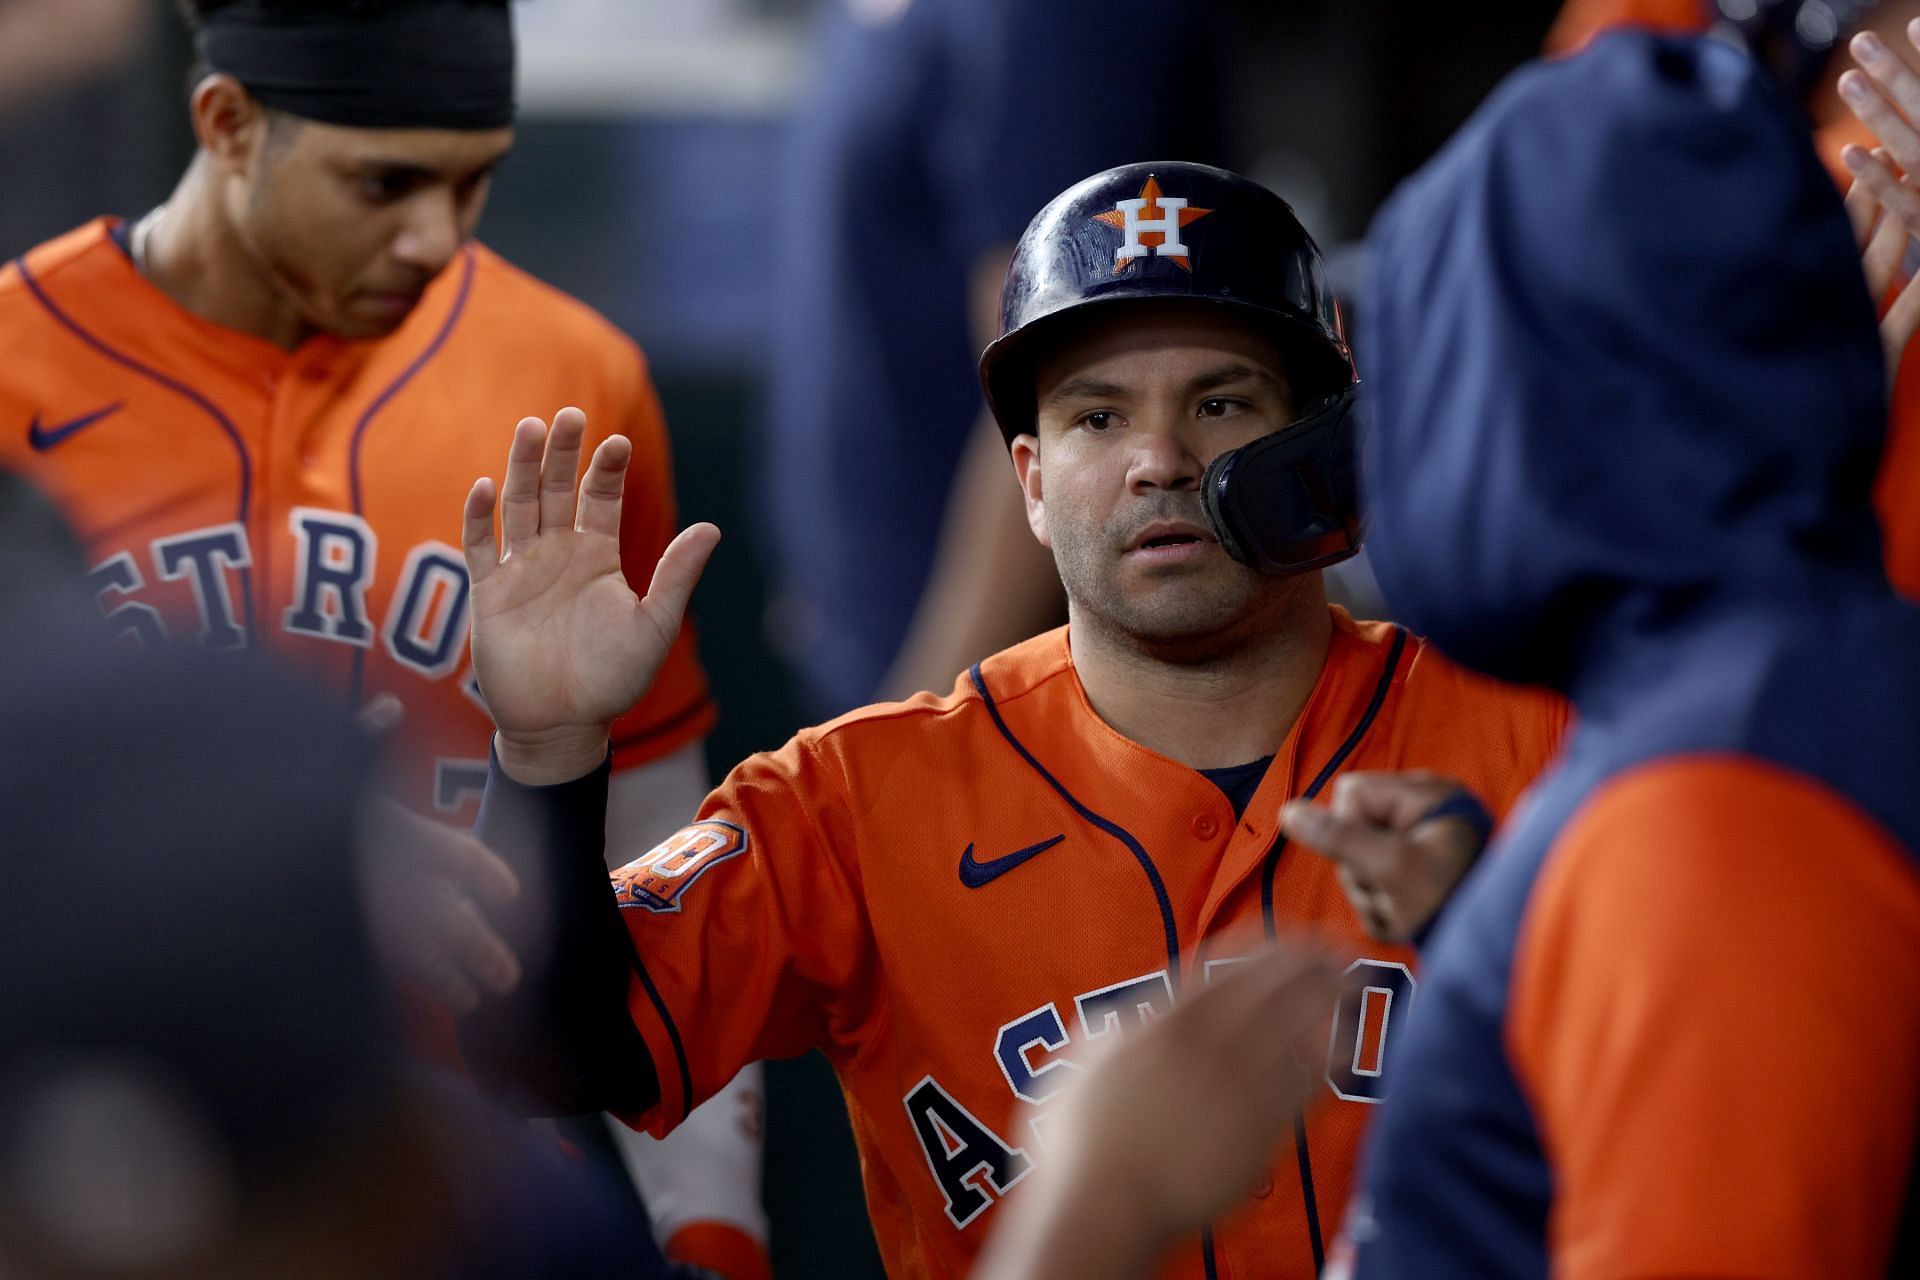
x=954 y=897
x=234 y=494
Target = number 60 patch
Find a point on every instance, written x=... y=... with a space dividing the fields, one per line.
x=656 y=879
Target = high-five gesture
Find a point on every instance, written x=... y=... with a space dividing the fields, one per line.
x=1882 y=203
x=561 y=644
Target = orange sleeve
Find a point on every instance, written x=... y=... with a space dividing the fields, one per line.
x=678 y=709
x=750 y=929
x=1715 y=1015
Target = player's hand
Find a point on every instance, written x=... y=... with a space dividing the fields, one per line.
x=422 y=884
x=1883 y=206
x=1397 y=861
x=1172 y=1127
x=561 y=645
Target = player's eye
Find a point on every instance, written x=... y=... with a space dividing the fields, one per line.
x=1097 y=419
x=1220 y=406
x=383 y=186
x=473 y=184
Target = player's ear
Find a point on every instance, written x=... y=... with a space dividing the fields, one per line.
x=1026 y=466
x=228 y=122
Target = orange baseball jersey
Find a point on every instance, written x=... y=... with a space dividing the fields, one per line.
x=953 y=897
x=307 y=502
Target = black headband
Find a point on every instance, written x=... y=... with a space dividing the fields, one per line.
x=442 y=64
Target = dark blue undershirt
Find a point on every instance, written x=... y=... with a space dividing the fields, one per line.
x=1238 y=783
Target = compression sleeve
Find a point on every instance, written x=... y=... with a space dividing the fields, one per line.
x=562 y=1042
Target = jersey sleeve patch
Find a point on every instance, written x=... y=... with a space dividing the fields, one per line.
x=656 y=879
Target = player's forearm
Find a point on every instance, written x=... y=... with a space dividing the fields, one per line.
x=561 y=1043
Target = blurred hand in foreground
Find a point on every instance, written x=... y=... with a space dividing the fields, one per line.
x=1172 y=1126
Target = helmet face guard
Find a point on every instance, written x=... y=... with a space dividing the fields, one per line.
x=1289 y=502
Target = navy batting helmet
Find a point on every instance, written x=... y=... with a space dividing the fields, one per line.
x=1193 y=234
x=1152 y=232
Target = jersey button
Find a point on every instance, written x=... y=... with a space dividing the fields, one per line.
x=1206 y=826
x=1262 y=1187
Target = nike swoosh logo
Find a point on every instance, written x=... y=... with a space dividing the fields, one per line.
x=44 y=438
x=974 y=874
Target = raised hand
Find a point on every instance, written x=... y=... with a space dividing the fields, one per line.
x=1883 y=206
x=561 y=644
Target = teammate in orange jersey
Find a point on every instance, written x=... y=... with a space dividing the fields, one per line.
x=260 y=403
x=955 y=898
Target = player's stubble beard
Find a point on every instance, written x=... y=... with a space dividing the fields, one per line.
x=1213 y=614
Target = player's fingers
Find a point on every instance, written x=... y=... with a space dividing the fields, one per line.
x=1373 y=852
x=1872 y=169
x=604 y=487
x=1892 y=85
x=1291 y=1000
x=1882 y=257
x=466 y=936
x=1395 y=799
x=463 y=860
x=476 y=531
x=560 y=468
x=1863 y=207
x=437 y=972
x=1898 y=326
x=1372 y=908
x=675 y=577
x=520 y=491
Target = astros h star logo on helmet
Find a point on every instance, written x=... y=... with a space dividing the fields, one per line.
x=1151 y=235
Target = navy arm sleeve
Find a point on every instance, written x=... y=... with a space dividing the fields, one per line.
x=562 y=1042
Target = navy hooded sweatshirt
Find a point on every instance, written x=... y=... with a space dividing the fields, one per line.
x=1629 y=402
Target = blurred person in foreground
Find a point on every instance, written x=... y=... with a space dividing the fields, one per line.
x=231 y=399
x=1671 y=1025
x=200 y=1074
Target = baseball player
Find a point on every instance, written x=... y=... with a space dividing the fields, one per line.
x=1658 y=1046
x=259 y=403
x=1678 y=1016
x=956 y=898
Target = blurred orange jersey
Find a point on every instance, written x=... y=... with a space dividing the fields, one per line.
x=307 y=502
x=954 y=897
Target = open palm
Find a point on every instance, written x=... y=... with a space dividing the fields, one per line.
x=561 y=644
